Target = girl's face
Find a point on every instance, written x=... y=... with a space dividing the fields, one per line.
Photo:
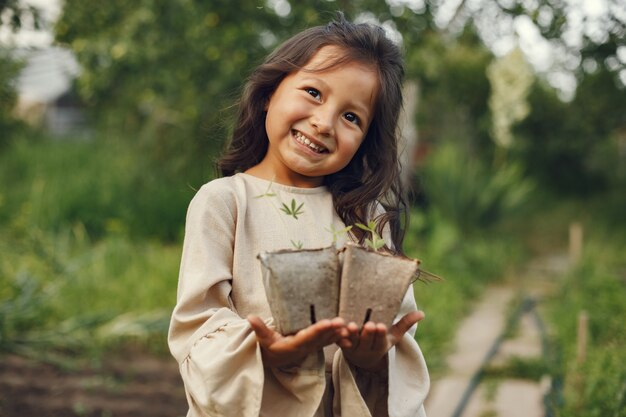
x=316 y=120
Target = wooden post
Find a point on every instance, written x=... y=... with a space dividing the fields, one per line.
x=581 y=340
x=575 y=242
x=578 y=381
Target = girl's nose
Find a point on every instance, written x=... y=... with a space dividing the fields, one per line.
x=322 y=121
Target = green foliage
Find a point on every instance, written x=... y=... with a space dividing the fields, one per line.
x=336 y=233
x=470 y=195
x=165 y=70
x=573 y=148
x=105 y=185
x=80 y=270
x=9 y=70
x=376 y=242
x=454 y=90
x=596 y=387
x=61 y=292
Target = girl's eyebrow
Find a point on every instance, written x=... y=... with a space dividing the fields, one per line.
x=359 y=106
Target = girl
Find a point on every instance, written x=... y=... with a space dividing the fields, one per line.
x=317 y=125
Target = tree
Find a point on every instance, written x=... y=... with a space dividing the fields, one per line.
x=572 y=148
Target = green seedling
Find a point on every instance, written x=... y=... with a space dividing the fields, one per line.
x=294 y=210
x=267 y=192
x=336 y=233
x=376 y=242
x=297 y=245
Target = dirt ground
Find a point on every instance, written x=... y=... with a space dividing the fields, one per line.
x=137 y=385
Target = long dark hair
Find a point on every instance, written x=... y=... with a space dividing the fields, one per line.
x=372 y=178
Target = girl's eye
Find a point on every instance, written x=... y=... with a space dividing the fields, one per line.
x=313 y=92
x=352 y=118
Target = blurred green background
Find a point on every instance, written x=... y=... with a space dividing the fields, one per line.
x=510 y=147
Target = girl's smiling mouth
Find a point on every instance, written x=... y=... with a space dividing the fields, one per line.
x=302 y=139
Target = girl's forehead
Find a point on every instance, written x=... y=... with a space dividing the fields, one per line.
x=328 y=57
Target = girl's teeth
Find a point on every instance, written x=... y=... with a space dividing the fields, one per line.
x=305 y=141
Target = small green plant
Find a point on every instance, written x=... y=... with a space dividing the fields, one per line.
x=336 y=233
x=268 y=192
x=376 y=242
x=294 y=210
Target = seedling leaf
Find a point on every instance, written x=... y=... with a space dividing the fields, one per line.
x=362 y=226
x=294 y=210
x=336 y=232
x=267 y=192
x=376 y=242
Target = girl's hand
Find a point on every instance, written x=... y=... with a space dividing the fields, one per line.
x=368 y=349
x=280 y=351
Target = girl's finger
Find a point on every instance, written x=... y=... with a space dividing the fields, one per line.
x=367 y=337
x=380 y=338
x=398 y=330
x=264 y=334
x=353 y=330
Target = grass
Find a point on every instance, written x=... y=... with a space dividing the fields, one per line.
x=63 y=292
x=105 y=185
x=597 y=285
x=89 y=247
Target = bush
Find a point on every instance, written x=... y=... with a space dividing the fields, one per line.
x=105 y=185
x=63 y=293
x=470 y=195
x=596 y=387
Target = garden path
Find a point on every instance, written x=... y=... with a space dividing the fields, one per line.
x=479 y=340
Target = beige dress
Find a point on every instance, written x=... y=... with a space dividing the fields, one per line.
x=229 y=221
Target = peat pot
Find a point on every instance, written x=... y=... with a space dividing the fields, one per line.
x=302 y=286
x=373 y=285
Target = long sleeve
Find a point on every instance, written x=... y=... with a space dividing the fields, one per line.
x=408 y=375
x=220 y=362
